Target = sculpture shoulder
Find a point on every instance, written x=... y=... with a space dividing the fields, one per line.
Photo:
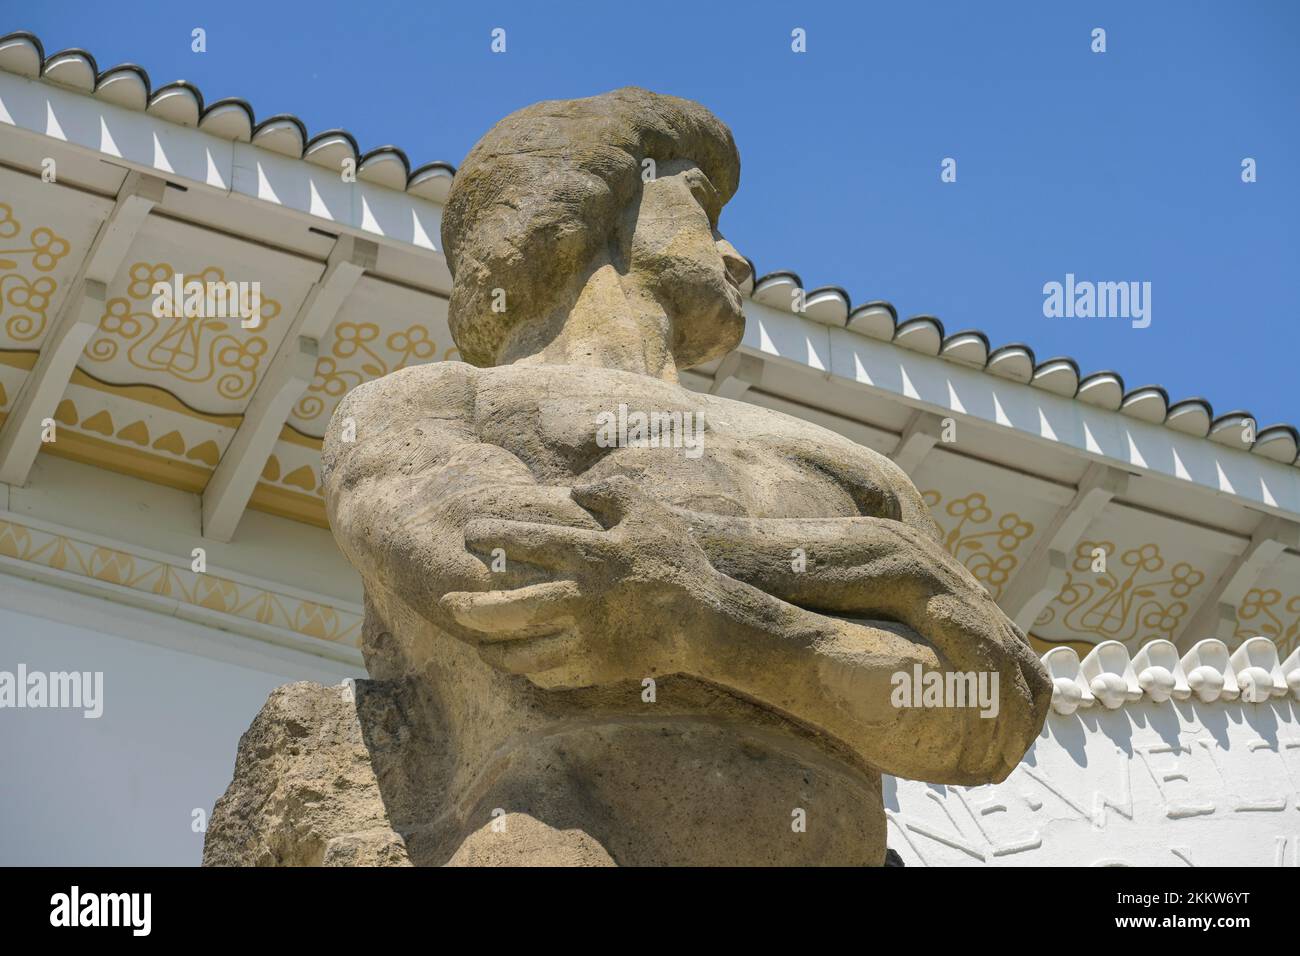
x=438 y=398
x=418 y=391
x=770 y=426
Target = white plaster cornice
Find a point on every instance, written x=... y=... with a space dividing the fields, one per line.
x=1109 y=678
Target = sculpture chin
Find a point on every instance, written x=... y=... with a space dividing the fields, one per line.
x=711 y=335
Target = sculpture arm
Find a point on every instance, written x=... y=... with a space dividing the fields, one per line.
x=641 y=597
x=880 y=570
x=404 y=472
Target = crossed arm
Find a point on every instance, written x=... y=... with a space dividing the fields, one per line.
x=602 y=583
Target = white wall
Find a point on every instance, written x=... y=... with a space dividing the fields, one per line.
x=121 y=789
x=1178 y=783
x=1173 y=783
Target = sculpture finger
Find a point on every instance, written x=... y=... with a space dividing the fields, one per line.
x=556 y=547
x=610 y=499
x=516 y=614
x=532 y=655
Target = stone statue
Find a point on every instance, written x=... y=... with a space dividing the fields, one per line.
x=609 y=619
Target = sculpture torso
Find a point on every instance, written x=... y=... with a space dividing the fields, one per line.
x=603 y=759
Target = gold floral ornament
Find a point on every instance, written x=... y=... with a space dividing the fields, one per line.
x=27 y=298
x=1133 y=603
x=356 y=357
x=989 y=553
x=1265 y=613
x=192 y=348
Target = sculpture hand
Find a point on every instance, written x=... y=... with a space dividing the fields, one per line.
x=617 y=601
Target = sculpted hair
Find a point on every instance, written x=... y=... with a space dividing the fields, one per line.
x=541 y=194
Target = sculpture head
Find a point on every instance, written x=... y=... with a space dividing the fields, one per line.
x=620 y=193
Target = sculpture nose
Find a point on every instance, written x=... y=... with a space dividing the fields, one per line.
x=737 y=266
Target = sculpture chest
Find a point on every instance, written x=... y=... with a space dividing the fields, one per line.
x=573 y=425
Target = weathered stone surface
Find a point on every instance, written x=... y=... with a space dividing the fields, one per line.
x=682 y=651
x=305 y=792
x=516 y=839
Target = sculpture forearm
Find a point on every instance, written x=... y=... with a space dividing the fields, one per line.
x=876 y=570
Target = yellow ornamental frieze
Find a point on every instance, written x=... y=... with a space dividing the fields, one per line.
x=189 y=348
x=26 y=288
x=986 y=544
x=15 y=541
x=138 y=430
x=1128 y=595
x=1267 y=612
x=289 y=484
x=209 y=591
x=318 y=620
x=116 y=567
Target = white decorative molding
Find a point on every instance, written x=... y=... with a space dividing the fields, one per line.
x=200 y=159
x=128 y=574
x=1109 y=678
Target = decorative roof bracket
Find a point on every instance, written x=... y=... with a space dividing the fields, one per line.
x=289 y=375
x=1043 y=573
x=1217 y=614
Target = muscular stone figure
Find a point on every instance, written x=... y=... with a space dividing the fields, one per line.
x=587 y=651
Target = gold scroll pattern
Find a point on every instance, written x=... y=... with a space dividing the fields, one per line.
x=25 y=297
x=1140 y=596
x=356 y=356
x=1267 y=612
x=986 y=544
x=194 y=349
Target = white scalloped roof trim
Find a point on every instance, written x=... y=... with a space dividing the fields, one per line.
x=784 y=291
x=128 y=86
x=1109 y=678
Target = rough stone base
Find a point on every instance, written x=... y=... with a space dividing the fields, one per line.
x=306 y=793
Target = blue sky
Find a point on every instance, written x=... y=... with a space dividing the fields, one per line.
x=1121 y=166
